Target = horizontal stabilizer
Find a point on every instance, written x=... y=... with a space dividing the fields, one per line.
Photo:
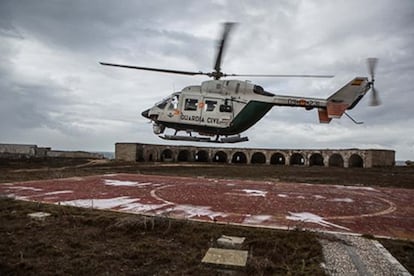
x=345 y=98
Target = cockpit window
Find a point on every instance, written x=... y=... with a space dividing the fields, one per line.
x=172 y=100
x=259 y=90
x=162 y=104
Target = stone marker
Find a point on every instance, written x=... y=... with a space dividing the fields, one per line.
x=230 y=242
x=226 y=257
x=39 y=215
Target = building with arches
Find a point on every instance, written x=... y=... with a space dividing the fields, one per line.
x=344 y=158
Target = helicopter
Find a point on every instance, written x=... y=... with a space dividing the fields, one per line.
x=219 y=110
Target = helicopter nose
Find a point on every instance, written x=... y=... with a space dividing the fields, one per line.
x=145 y=113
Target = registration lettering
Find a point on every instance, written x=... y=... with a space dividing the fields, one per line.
x=303 y=102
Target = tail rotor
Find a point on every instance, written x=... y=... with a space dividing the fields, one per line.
x=372 y=64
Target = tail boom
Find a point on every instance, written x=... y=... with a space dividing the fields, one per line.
x=333 y=107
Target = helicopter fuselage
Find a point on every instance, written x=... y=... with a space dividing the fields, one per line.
x=220 y=107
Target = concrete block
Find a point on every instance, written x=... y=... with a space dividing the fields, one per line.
x=39 y=215
x=226 y=257
x=231 y=242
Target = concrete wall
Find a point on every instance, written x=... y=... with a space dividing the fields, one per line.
x=126 y=152
x=73 y=154
x=18 y=151
x=23 y=150
x=365 y=158
x=380 y=158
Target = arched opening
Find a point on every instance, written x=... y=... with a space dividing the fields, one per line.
x=201 y=156
x=297 y=159
x=239 y=158
x=184 y=156
x=258 y=158
x=278 y=159
x=151 y=156
x=355 y=161
x=336 y=160
x=220 y=157
x=316 y=159
x=167 y=155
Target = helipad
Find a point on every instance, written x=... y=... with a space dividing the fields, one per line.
x=353 y=209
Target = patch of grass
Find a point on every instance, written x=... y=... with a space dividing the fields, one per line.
x=84 y=241
x=403 y=251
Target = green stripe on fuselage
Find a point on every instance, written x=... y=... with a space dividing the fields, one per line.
x=249 y=116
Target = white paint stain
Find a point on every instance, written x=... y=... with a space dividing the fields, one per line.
x=256 y=219
x=16 y=197
x=255 y=192
x=347 y=200
x=106 y=203
x=26 y=188
x=312 y=218
x=355 y=188
x=112 y=182
x=58 y=192
x=282 y=195
x=137 y=207
x=191 y=211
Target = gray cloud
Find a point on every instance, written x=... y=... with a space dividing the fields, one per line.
x=53 y=91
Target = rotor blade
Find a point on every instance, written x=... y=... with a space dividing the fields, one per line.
x=278 y=76
x=374 y=98
x=372 y=64
x=191 y=73
x=226 y=30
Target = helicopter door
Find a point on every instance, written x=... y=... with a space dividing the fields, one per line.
x=191 y=112
x=216 y=112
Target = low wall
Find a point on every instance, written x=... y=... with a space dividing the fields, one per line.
x=19 y=151
x=73 y=154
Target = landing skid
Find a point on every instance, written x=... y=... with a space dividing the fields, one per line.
x=228 y=139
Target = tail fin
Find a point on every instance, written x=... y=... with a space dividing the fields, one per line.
x=345 y=98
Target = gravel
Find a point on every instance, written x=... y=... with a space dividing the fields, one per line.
x=354 y=255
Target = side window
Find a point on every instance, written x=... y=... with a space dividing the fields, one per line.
x=190 y=104
x=226 y=107
x=210 y=105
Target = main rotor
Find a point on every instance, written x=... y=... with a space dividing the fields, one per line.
x=217 y=73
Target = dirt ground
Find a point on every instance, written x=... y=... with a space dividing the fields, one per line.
x=84 y=241
x=400 y=177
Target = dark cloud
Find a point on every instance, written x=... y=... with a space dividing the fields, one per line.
x=53 y=90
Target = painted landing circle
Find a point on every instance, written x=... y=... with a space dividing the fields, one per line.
x=353 y=209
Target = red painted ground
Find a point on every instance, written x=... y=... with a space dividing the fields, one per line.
x=377 y=211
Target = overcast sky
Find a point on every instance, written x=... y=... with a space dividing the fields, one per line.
x=53 y=92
